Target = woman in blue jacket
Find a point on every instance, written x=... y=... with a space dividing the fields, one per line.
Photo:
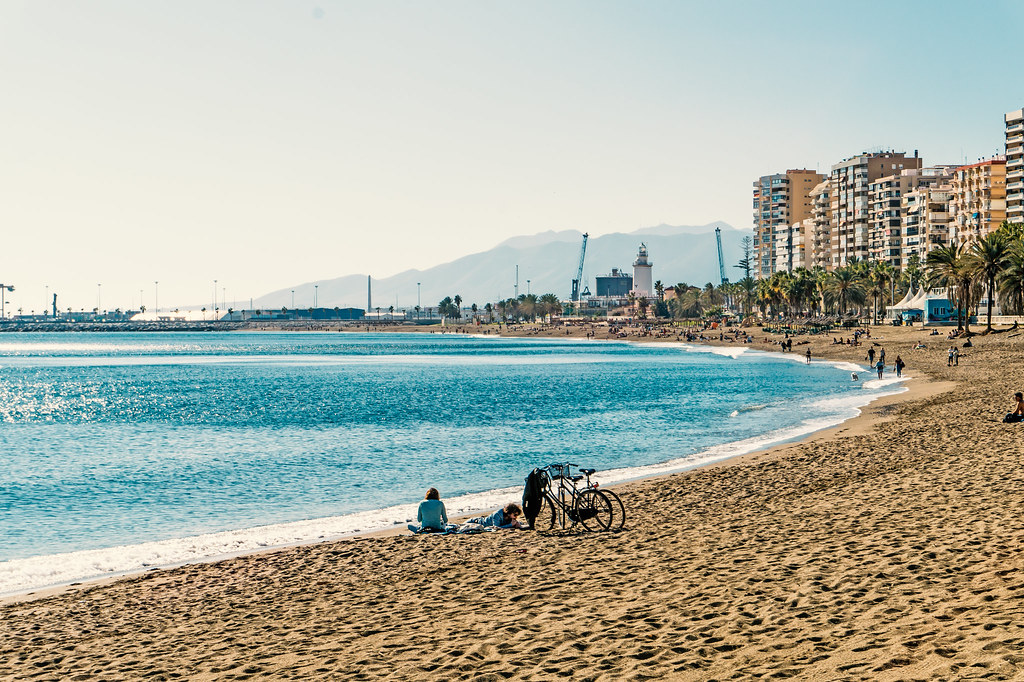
x=431 y=514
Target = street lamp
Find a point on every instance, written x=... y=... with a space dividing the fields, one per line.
x=316 y=289
x=527 y=287
x=99 y=297
x=215 y=299
x=417 y=300
x=293 y=299
x=156 y=300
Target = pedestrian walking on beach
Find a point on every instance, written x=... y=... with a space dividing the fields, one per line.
x=949 y=360
x=871 y=356
x=881 y=355
x=880 y=366
x=956 y=356
x=898 y=366
x=808 y=356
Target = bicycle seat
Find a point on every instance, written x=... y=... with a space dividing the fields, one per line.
x=588 y=472
x=575 y=479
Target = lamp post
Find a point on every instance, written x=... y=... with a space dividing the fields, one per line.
x=214 y=299
x=527 y=287
x=3 y=289
x=417 y=300
x=47 y=299
x=316 y=290
x=156 y=300
x=99 y=298
x=293 y=299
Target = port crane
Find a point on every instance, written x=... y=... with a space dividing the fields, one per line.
x=721 y=260
x=579 y=271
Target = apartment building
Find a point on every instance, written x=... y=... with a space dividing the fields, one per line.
x=978 y=199
x=820 y=248
x=792 y=244
x=1015 y=166
x=886 y=215
x=850 y=200
x=926 y=221
x=780 y=200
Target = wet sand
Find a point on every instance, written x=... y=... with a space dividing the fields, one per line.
x=887 y=548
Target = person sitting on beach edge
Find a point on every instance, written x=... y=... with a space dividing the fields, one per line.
x=1018 y=413
x=506 y=517
x=431 y=515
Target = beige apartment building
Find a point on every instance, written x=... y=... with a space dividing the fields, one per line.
x=926 y=221
x=1015 y=166
x=886 y=216
x=977 y=204
x=780 y=200
x=850 y=200
x=820 y=249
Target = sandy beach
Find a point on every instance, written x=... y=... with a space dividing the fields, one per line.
x=888 y=548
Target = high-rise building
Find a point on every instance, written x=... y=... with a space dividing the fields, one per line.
x=977 y=203
x=780 y=200
x=886 y=210
x=820 y=255
x=850 y=201
x=1015 y=166
x=792 y=245
x=926 y=224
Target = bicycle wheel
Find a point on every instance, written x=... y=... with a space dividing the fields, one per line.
x=620 y=514
x=546 y=517
x=594 y=510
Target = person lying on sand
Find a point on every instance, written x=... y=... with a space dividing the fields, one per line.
x=1018 y=413
x=431 y=515
x=506 y=517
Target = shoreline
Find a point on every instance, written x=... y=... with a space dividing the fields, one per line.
x=888 y=548
x=913 y=387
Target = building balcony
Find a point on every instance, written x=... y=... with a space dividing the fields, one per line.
x=1017 y=162
x=1015 y=128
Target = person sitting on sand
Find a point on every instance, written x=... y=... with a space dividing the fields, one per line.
x=1018 y=413
x=431 y=515
x=506 y=517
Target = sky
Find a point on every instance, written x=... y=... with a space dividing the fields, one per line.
x=268 y=144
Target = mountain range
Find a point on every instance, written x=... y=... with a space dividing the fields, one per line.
x=547 y=264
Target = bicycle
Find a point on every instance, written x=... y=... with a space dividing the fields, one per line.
x=567 y=504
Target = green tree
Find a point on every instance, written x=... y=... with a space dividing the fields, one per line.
x=948 y=267
x=846 y=285
x=984 y=261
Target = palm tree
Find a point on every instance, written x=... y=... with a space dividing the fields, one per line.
x=876 y=290
x=947 y=267
x=885 y=273
x=984 y=261
x=458 y=307
x=1011 y=279
x=847 y=287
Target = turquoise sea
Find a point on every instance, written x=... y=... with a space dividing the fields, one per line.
x=126 y=451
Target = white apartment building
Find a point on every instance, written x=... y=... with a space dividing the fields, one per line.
x=1015 y=166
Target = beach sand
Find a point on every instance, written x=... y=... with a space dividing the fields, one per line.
x=888 y=548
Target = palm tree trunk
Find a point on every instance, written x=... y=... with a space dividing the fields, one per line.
x=991 y=294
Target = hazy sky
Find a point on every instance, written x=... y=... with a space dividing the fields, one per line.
x=265 y=144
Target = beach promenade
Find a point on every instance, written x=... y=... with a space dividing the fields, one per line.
x=888 y=548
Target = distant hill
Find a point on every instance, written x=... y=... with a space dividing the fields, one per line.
x=680 y=253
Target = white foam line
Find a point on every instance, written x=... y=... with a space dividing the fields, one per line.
x=18 y=576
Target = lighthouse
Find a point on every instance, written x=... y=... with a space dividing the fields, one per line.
x=643 y=285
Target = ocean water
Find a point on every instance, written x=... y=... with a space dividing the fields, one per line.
x=120 y=452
